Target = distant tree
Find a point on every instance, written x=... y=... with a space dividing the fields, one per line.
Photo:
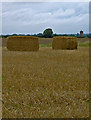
x=28 y=35
x=72 y=35
x=89 y=35
x=5 y=36
x=55 y=35
x=48 y=33
x=35 y=35
x=40 y=35
x=77 y=34
x=21 y=35
x=14 y=34
x=65 y=35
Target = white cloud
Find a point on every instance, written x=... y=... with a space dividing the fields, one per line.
x=62 y=13
x=0 y=18
x=35 y=17
x=45 y=0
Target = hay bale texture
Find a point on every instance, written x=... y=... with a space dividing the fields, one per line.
x=63 y=42
x=23 y=43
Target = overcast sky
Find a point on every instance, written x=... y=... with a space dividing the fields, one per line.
x=35 y=17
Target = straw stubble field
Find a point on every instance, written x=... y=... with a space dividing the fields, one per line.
x=46 y=84
x=0 y=82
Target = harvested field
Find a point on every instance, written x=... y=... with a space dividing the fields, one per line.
x=46 y=41
x=82 y=40
x=0 y=83
x=46 y=84
x=0 y=99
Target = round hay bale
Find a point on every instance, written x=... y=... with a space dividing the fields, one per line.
x=23 y=43
x=63 y=42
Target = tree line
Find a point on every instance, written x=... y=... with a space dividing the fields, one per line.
x=47 y=33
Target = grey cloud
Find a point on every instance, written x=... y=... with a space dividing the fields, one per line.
x=35 y=17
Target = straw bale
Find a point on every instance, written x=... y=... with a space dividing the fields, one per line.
x=63 y=42
x=23 y=43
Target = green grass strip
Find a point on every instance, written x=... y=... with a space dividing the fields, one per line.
x=85 y=44
x=48 y=45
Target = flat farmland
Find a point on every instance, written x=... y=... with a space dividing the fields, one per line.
x=45 y=41
x=45 y=84
x=0 y=83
